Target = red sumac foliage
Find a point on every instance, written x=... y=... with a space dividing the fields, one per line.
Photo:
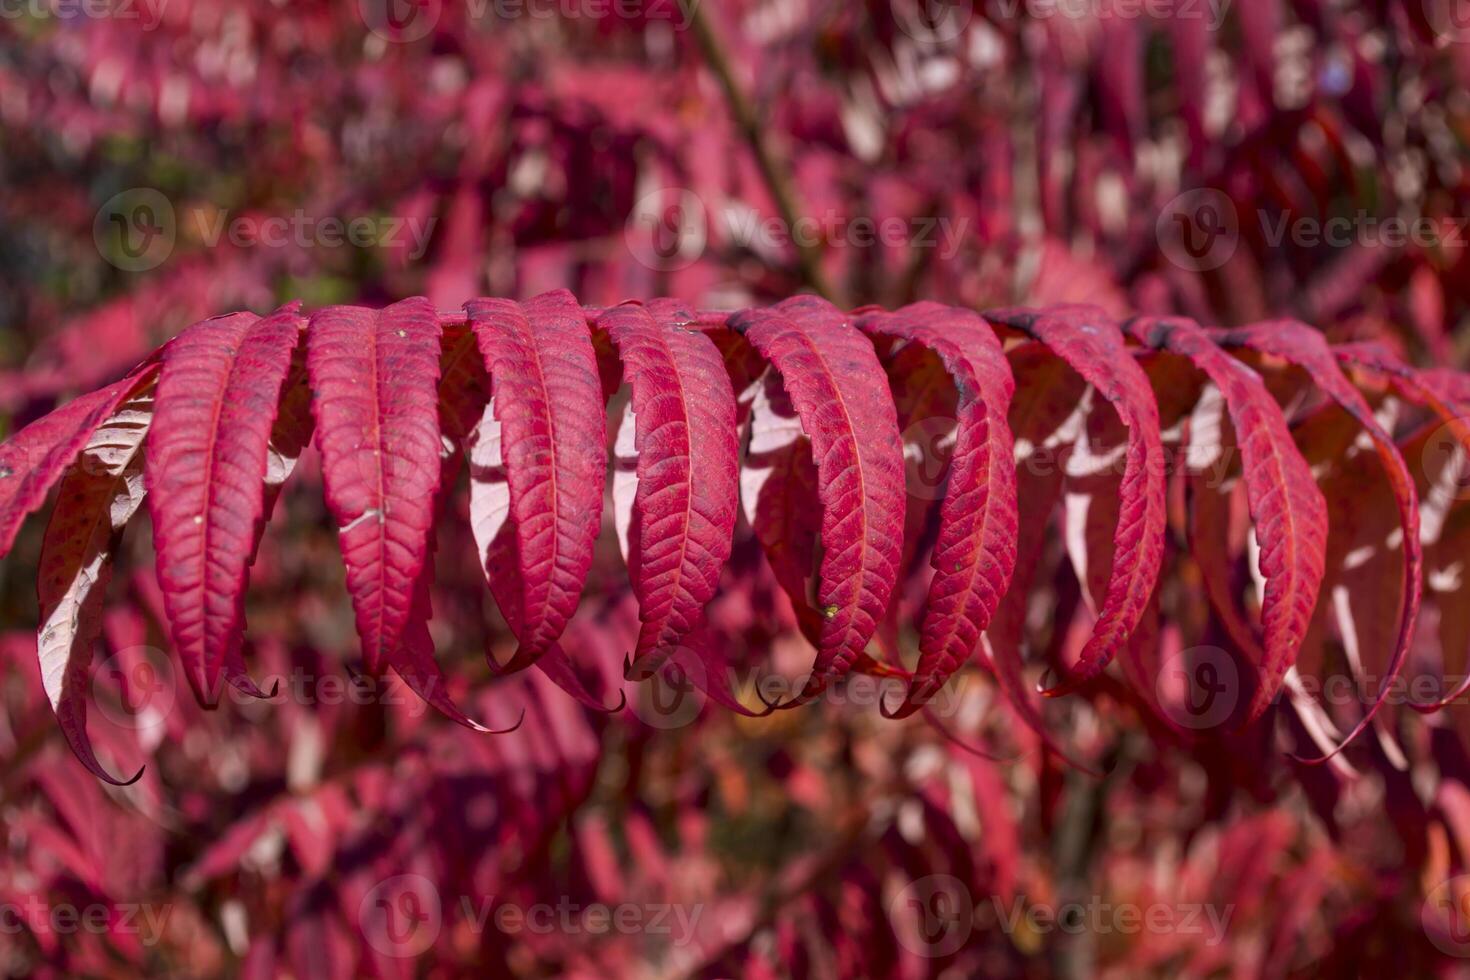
x=801 y=415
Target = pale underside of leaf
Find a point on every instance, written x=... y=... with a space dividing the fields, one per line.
x=98 y=496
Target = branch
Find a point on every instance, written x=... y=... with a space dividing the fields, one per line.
x=775 y=174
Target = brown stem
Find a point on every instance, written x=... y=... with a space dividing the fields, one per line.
x=773 y=171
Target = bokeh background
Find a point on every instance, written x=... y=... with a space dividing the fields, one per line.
x=162 y=161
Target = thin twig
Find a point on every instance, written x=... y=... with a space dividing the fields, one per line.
x=773 y=171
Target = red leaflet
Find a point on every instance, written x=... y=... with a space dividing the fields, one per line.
x=97 y=499
x=975 y=552
x=1044 y=414
x=375 y=375
x=1285 y=503
x=208 y=462
x=676 y=511
x=546 y=412
x=33 y=459
x=1093 y=346
x=520 y=387
x=1300 y=345
x=841 y=395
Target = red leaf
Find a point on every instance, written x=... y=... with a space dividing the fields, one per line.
x=547 y=412
x=97 y=498
x=1093 y=346
x=841 y=396
x=1285 y=503
x=207 y=460
x=676 y=512
x=1042 y=414
x=34 y=458
x=975 y=552
x=1300 y=345
x=375 y=375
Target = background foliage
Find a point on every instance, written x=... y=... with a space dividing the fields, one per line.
x=1228 y=162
